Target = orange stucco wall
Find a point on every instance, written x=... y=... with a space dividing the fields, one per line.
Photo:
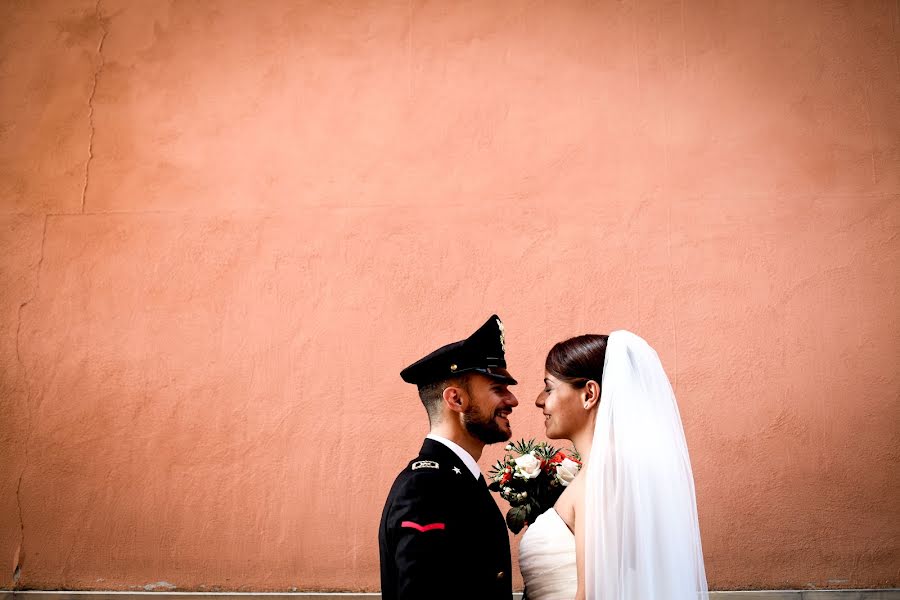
x=227 y=226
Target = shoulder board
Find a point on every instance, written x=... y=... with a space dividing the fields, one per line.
x=425 y=464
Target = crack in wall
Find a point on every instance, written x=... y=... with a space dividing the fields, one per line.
x=97 y=71
x=19 y=555
x=17 y=562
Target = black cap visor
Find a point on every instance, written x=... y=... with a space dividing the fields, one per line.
x=495 y=373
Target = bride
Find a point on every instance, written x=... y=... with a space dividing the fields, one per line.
x=626 y=528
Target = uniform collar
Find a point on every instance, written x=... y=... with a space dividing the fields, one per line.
x=458 y=451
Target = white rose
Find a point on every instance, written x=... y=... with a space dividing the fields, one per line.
x=566 y=471
x=527 y=467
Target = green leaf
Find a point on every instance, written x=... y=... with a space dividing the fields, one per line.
x=515 y=518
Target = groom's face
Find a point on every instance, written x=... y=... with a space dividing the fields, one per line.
x=490 y=404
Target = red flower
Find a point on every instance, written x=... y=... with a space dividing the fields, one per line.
x=561 y=456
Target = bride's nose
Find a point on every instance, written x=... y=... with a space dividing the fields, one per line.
x=539 y=401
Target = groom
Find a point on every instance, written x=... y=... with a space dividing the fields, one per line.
x=441 y=534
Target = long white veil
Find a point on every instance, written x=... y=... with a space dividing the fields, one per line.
x=642 y=535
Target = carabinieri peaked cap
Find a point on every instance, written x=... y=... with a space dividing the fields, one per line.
x=482 y=352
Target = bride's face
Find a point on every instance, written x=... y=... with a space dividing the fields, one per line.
x=562 y=408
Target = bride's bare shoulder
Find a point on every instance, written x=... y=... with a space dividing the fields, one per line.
x=570 y=501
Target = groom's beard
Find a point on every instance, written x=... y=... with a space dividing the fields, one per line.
x=483 y=427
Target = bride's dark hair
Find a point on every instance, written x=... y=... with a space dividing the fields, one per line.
x=578 y=360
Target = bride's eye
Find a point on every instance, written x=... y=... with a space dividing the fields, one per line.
x=547 y=390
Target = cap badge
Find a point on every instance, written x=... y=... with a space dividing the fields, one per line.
x=502 y=335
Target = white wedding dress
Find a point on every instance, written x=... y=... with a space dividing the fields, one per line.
x=547 y=559
x=642 y=534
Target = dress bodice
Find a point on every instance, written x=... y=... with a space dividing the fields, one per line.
x=547 y=559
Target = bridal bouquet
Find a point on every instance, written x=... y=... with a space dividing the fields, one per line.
x=531 y=476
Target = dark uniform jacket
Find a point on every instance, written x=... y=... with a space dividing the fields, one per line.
x=442 y=535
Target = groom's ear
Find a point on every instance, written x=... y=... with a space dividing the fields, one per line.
x=454 y=399
x=591 y=394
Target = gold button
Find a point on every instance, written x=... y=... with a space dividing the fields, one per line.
x=501 y=575
x=453 y=367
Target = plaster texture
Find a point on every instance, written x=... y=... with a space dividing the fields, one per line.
x=226 y=228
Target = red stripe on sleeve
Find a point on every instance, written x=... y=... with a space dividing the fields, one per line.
x=422 y=528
